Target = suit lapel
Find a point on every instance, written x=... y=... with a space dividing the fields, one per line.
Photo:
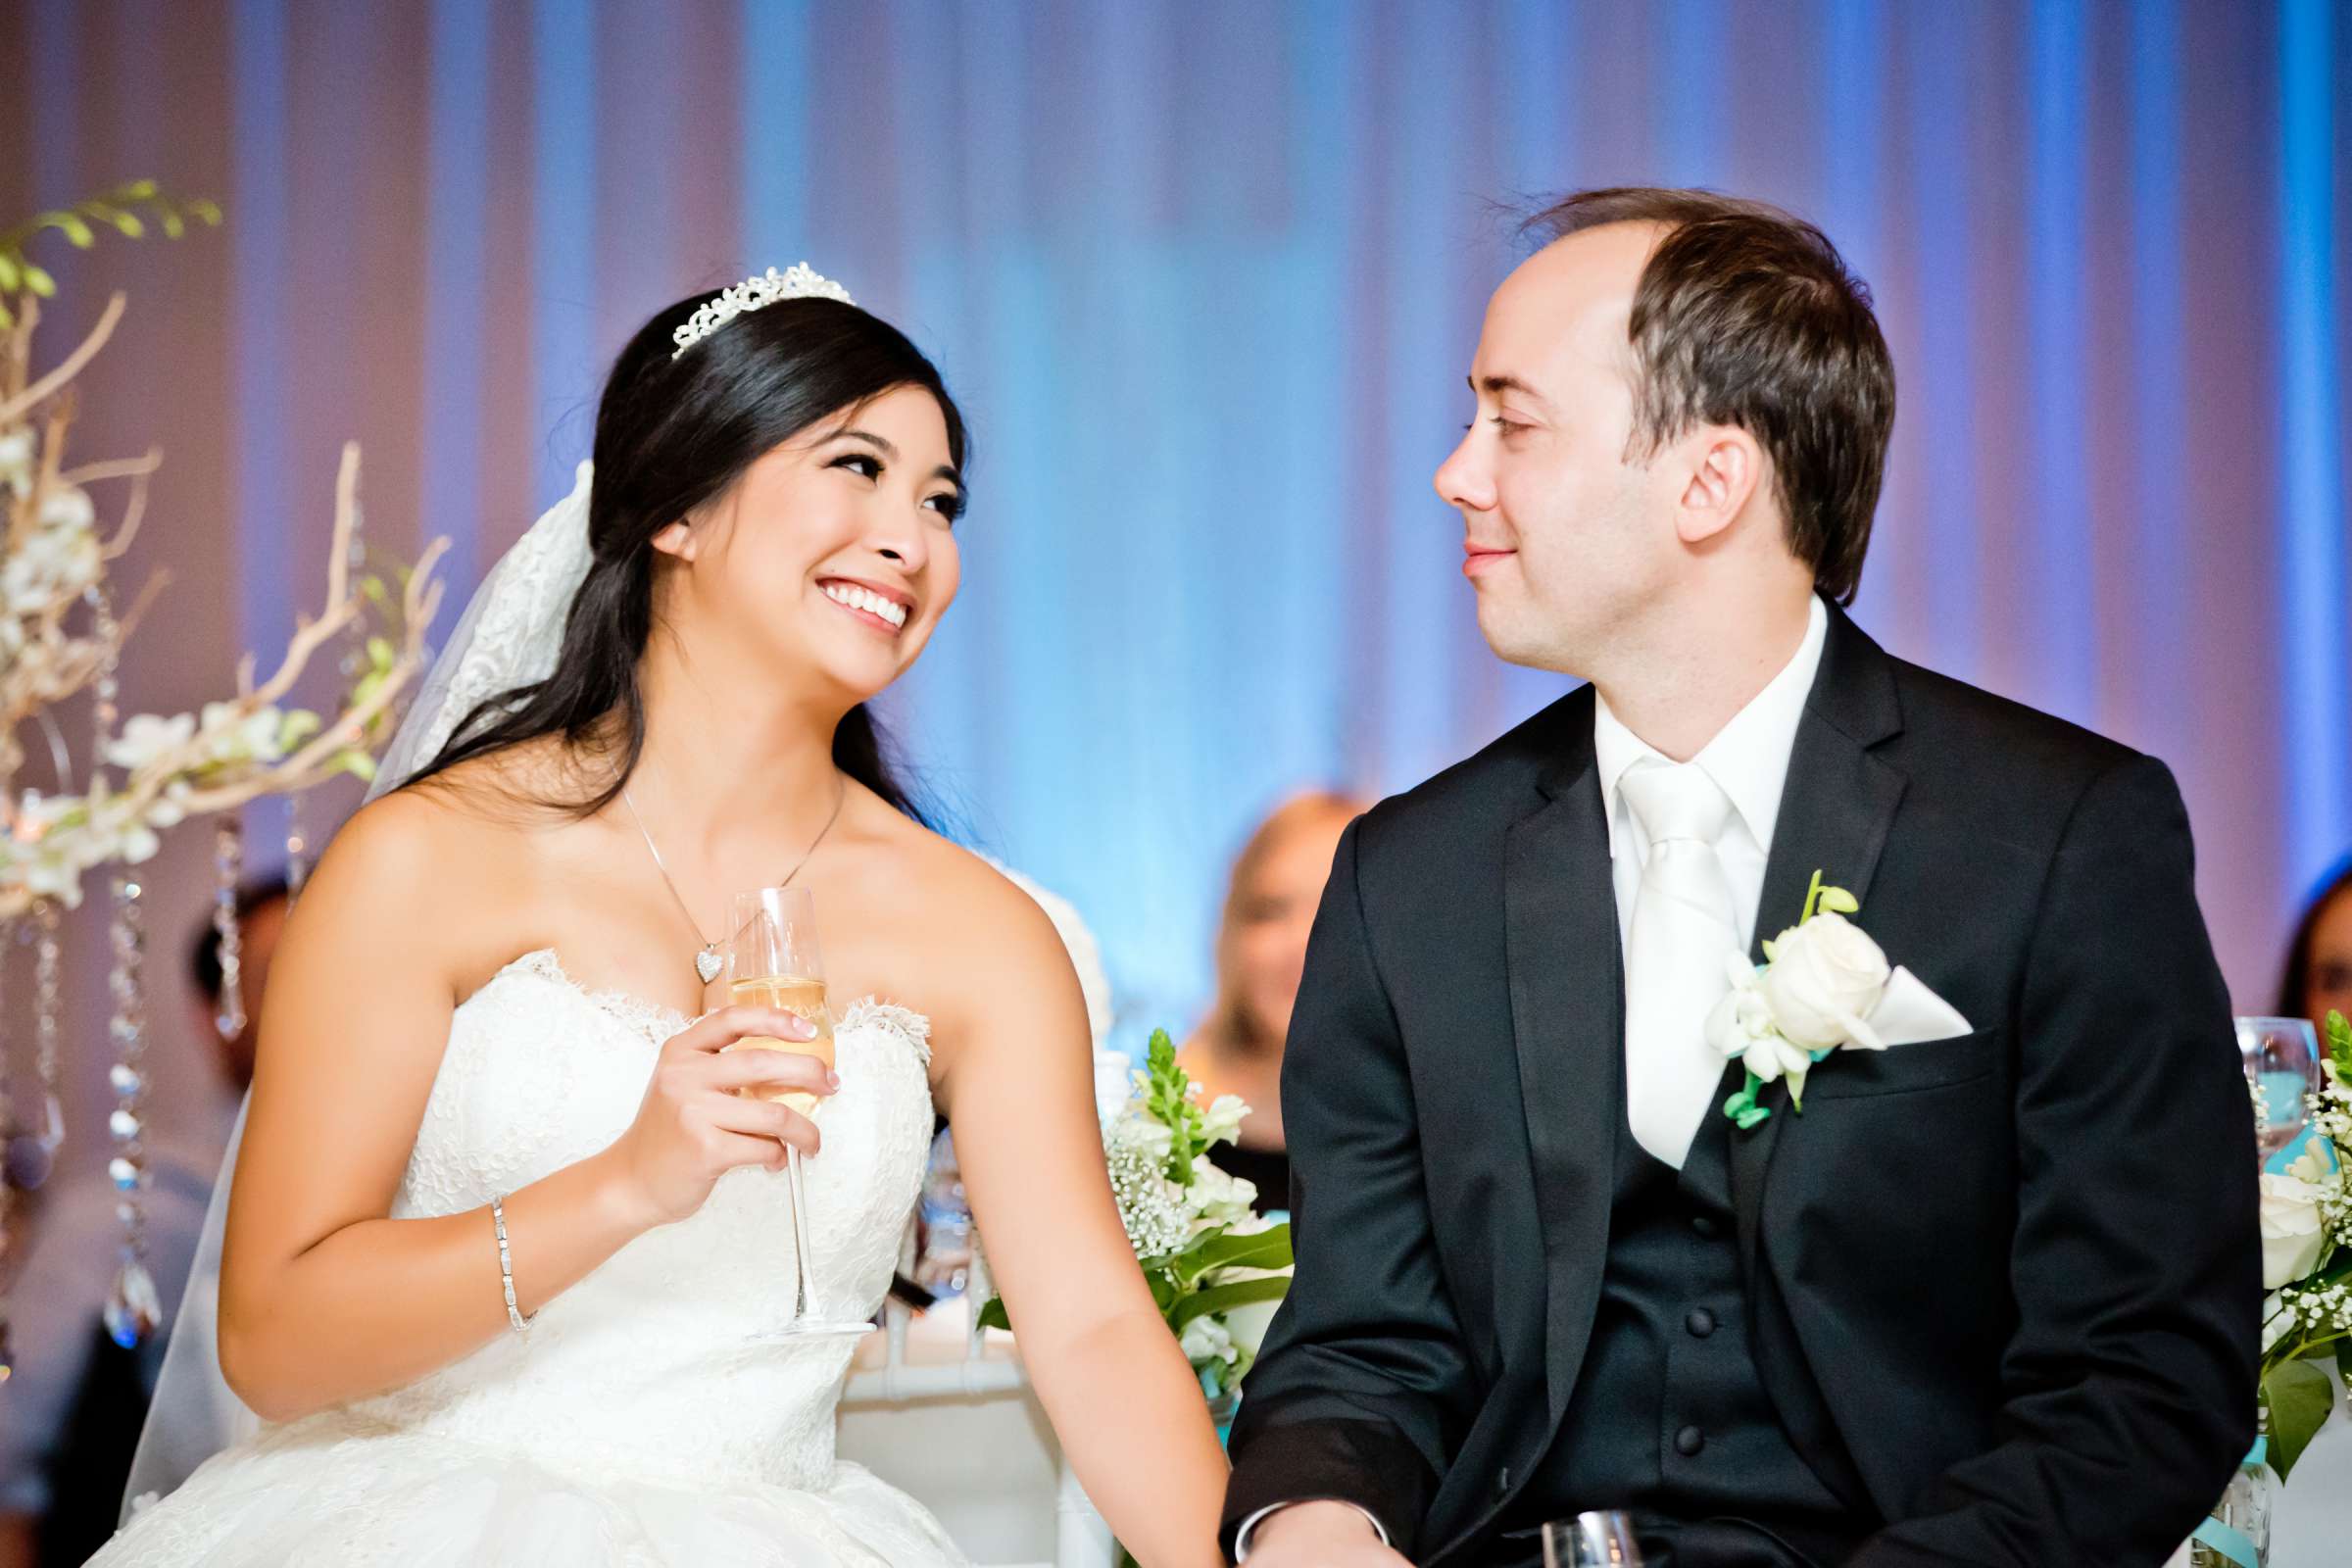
x=1835 y=812
x=1567 y=1022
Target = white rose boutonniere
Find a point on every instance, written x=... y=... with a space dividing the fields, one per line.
x=1814 y=995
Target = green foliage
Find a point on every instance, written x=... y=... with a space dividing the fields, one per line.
x=299 y=725
x=1225 y=1298
x=82 y=223
x=1195 y=1281
x=1168 y=1101
x=1821 y=898
x=2298 y=1397
x=2339 y=1047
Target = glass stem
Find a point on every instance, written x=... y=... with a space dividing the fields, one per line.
x=805 y=1306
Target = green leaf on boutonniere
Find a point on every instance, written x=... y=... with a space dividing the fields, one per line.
x=1837 y=901
x=2298 y=1397
x=992 y=1316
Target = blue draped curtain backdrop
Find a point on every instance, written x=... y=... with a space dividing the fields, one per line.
x=1208 y=276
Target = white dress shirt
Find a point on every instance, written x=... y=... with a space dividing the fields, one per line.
x=1749 y=761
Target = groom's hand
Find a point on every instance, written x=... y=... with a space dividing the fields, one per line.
x=1320 y=1535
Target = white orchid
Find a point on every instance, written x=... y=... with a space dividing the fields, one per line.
x=1742 y=1027
x=232 y=736
x=49 y=565
x=1219 y=1199
x=1221 y=1122
x=1205 y=1340
x=16 y=454
x=147 y=736
x=68 y=509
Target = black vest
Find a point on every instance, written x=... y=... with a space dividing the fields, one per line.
x=1669 y=1419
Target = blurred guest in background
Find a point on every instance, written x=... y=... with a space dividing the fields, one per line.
x=76 y=1403
x=2319 y=961
x=1261 y=952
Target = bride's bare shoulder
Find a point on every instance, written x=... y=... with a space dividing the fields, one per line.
x=974 y=927
x=463 y=836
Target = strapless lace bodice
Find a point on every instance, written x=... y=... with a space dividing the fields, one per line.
x=648 y=1380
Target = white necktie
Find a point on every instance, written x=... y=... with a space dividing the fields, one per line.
x=1684 y=927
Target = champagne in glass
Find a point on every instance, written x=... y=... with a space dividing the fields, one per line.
x=2282 y=1055
x=772 y=960
x=793 y=994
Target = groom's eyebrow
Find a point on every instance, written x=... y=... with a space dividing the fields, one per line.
x=1497 y=385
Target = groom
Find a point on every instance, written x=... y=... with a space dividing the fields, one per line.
x=1991 y=1297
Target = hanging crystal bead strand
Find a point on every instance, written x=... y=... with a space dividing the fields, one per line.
x=228 y=869
x=8 y=1192
x=48 y=1016
x=134 y=1307
x=298 y=847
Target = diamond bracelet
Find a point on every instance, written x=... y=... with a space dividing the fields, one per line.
x=505 y=1266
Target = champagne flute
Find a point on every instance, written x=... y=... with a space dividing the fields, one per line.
x=773 y=962
x=1591 y=1541
x=2282 y=1055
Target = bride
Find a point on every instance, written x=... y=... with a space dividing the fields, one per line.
x=493 y=1008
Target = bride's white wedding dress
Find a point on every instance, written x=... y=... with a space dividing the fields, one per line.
x=641 y=1420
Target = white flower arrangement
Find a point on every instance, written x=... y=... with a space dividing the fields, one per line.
x=1205 y=1254
x=2307 y=1264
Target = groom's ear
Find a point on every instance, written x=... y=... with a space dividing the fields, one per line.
x=1725 y=466
x=677 y=540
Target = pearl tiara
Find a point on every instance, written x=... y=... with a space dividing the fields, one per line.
x=758 y=290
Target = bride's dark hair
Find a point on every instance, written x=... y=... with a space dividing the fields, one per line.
x=671 y=434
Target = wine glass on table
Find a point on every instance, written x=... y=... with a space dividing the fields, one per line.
x=773 y=962
x=2283 y=1057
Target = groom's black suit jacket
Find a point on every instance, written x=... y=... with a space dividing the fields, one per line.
x=2003 y=1289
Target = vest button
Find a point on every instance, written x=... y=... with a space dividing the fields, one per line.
x=1689 y=1441
x=1502 y=1481
x=1704 y=1226
x=1700 y=1322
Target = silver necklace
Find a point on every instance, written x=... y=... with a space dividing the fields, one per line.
x=707 y=962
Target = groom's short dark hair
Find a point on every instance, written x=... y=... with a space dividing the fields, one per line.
x=1748 y=316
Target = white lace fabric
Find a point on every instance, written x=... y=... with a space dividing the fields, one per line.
x=641 y=1420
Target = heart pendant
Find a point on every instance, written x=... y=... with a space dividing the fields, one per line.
x=706 y=964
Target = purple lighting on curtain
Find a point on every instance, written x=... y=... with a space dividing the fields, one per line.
x=2058 y=324
x=1208 y=276
x=563 y=297
x=457 y=275
x=2317 y=626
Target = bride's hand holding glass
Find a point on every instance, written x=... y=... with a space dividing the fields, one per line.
x=695 y=1124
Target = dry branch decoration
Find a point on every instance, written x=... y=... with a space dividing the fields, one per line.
x=60 y=636
x=54 y=564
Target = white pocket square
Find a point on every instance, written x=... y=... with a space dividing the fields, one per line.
x=1908 y=1014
